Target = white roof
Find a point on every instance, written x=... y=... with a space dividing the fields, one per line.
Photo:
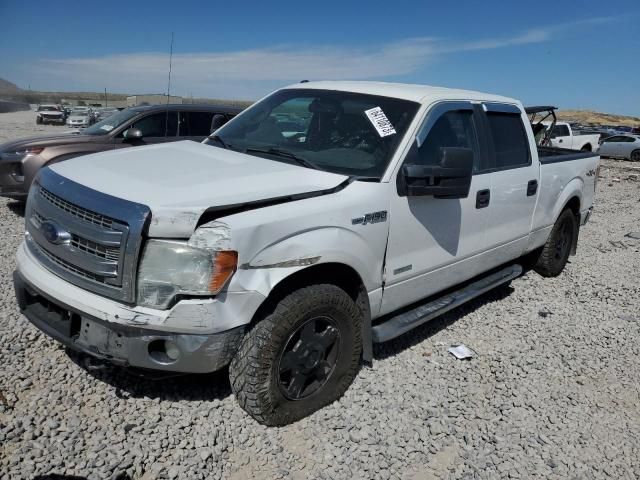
x=413 y=92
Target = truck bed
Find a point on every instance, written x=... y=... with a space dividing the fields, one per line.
x=555 y=155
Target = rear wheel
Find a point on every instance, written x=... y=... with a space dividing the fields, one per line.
x=586 y=148
x=301 y=357
x=555 y=252
x=635 y=156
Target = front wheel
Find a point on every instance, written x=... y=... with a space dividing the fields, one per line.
x=299 y=358
x=555 y=252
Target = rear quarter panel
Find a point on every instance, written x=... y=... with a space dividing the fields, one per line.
x=560 y=182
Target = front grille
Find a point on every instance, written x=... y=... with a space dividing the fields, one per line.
x=76 y=211
x=68 y=266
x=84 y=236
x=95 y=249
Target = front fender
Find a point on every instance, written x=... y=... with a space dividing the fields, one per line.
x=279 y=260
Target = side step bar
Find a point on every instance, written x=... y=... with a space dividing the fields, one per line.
x=403 y=322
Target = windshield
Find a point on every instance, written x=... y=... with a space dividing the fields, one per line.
x=113 y=121
x=48 y=109
x=340 y=132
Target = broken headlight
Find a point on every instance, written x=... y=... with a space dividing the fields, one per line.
x=169 y=268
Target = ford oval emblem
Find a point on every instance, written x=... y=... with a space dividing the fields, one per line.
x=54 y=233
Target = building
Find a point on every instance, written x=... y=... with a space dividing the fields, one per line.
x=151 y=99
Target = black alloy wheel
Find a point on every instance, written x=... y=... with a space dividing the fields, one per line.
x=308 y=358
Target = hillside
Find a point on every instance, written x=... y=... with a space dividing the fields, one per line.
x=8 y=87
x=597 y=118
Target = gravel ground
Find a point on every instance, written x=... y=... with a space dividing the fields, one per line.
x=552 y=393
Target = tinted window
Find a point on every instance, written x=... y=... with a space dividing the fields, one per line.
x=611 y=139
x=155 y=125
x=452 y=129
x=628 y=139
x=560 y=131
x=195 y=124
x=510 y=140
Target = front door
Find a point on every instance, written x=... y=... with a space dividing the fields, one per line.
x=158 y=127
x=435 y=243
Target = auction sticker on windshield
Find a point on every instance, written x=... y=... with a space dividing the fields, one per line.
x=380 y=121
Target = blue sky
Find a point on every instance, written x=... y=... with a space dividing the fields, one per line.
x=571 y=54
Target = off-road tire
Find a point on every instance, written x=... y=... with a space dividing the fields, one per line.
x=635 y=156
x=555 y=252
x=255 y=369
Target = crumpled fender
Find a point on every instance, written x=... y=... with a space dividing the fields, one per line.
x=277 y=261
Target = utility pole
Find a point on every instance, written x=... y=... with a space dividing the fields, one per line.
x=166 y=120
x=106 y=101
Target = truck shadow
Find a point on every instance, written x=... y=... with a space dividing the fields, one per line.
x=132 y=383
x=16 y=207
x=412 y=338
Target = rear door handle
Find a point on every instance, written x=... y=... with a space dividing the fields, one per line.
x=482 y=198
x=532 y=187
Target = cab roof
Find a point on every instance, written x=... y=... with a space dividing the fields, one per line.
x=406 y=91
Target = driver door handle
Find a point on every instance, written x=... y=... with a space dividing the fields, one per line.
x=482 y=198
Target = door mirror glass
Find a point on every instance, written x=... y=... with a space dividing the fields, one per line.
x=450 y=178
x=133 y=134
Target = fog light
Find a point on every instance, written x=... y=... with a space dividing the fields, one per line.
x=163 y=351
x=173 y=352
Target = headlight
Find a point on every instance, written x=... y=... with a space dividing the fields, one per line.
x=169 y=268
x=24 y=153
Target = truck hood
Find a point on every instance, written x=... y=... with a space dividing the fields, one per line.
x=179 y=181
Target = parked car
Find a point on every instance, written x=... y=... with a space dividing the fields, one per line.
x=50 y=114
x=563 y=136
x=21 y=159
x=287 y=256
x=79 y=119
x=621 y=146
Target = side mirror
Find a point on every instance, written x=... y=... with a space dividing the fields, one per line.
x=132 y=134
x=217 y=121
x=451 y=178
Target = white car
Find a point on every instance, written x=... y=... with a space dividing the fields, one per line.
x=287 y=256
x=621 y=146
x=79 y=119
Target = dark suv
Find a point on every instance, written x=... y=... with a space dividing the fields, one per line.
x=20 y=160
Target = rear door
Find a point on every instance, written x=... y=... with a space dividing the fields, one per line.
x=611 y=146
x=436 y=242
x=195 y=125
x=514 y=181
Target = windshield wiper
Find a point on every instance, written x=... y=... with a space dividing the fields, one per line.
x=285 y=153
x=220 y=140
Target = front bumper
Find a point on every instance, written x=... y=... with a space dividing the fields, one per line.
x=125 y=346
x=60 y=120
x=205 y=332
x=12 y=179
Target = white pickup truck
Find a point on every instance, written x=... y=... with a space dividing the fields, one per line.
x=325 y=218
x=563 y=136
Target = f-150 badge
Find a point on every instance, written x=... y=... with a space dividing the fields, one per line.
x=375 y=217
